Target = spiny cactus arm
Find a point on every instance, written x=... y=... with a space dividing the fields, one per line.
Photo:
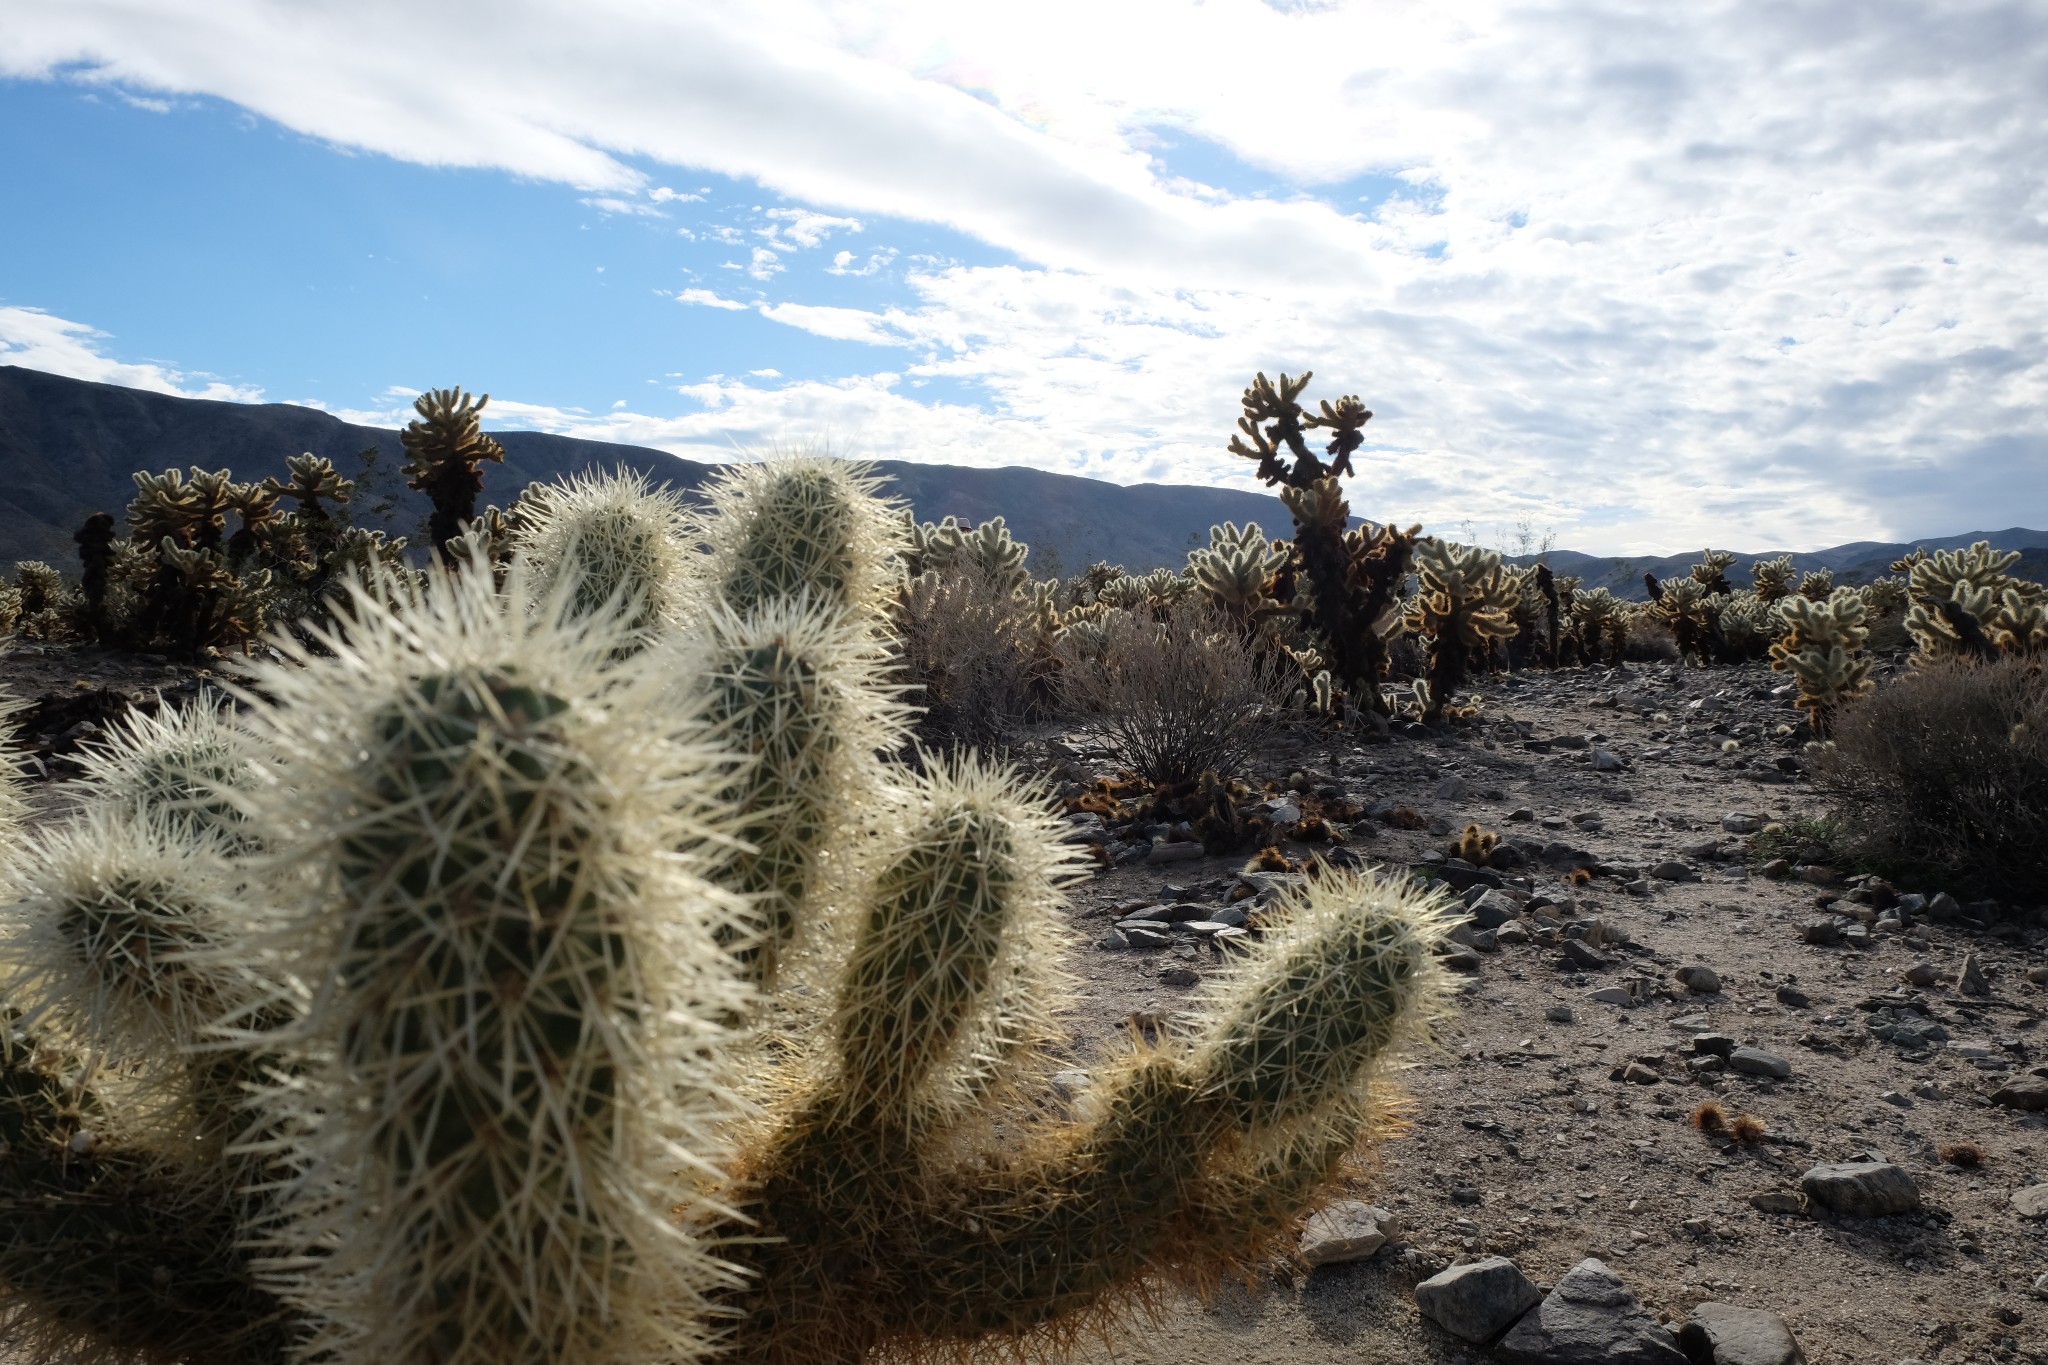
x=518 y=1037
x=779 y=527
x=621 y=541
x=797 y=687
x=1194 y=1159
x=1345 y=421
x=170 y=769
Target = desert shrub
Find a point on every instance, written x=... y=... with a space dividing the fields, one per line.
x=1173 y=698
x=962 y=649
x=1649 y=641
x=1947 y=770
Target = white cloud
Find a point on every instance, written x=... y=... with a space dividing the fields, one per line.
x=1610 y=216
x=36 y=340
x=877 y=261
x=803 y=228
x=705 y=298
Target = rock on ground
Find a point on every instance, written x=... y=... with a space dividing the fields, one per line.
x=1348 y=1230
x=1861 y=1189
x=1479 y=1300
x=1590 y=1318
x=1724 y=1334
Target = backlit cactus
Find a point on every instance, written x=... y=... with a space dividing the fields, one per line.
x=513 y=1040
x=1967 y=603
x=1464 y=604
x=446 y=451
x=1236 y=573
x=1823 y=650
x=1772 y=578
x=794 y=524
x=616 y=540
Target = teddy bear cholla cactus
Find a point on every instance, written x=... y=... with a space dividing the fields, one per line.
x=499 y=1125
x=1823 y=650
x=1465 y=602
x=1968 y=603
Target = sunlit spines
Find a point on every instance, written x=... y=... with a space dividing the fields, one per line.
x=516 y=1043
x=619 y=540
x=790 y=524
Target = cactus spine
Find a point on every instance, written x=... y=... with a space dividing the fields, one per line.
x=1465 y=604
x=515 y=1032
x=620 y=542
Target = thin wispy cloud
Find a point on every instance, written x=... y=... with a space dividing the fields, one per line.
x=1655 y=275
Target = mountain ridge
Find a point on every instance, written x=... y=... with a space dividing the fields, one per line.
x=69 y=446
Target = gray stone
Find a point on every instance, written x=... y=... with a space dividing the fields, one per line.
x=1284 y=812
x=1713 y=1044
x=1579 y=955
x=1699 y=980
x=1792 y=997
x=1970 y=980
x=1741 y=822
x=1175 y=853
x=1559 y=1014
x=2031 y=1202
x=2028 y=1094
x=1347 y=1230
x=1821 y=932
x=1774 y=1201
x=1613 y=995
x=1942 y=905
x=1180 y=976
x=1671 y=870
x=1861 y=1189
x=1494 y=908
x=1479 y=1300
x=1724 y=1334
x=1921 y=974
x=1753 y=1061
x=1606 y=762
x=1590 y=1318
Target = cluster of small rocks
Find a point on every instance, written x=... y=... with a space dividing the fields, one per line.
x=1590 y=1317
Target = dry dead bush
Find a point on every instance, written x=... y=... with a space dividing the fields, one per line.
x=1649 y=642
x=1946 y=771
x=1173 y=699
x=960 y=645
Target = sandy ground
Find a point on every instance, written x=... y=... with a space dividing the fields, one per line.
x=1523 y=1144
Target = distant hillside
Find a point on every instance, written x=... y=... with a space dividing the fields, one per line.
x=68 y=447
x=1857 y=562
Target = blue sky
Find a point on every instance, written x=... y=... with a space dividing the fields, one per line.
x=1640 y=275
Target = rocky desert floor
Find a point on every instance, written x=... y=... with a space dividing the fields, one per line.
x=1550 y=1122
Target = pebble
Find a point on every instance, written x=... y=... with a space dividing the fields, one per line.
x=1921 y=974
x=1578 y=954
x=1725 y=1334
x=1741 y=822
x=1792 y=997
x=1970 y=980
x=1612 y=995
x=1775 y=1201
x=1861 y=1189
x=1347 y=1230
x=1756 y=1062
x=1590 y=1318
x=1180 y=976
x=2031 y=1202
x=1559 y=1014
x=1606 y=762
x=1671 y=870
x=1479 y=1300
x=1713 y=1044
x=1175 y=853
x=1820 y=932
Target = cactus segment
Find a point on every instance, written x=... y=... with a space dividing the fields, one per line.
x=946 y=989
x=1348 y=980
x=516 y=1037
x=619 y=540
x=177 y=769
x=795 y=688
x=795 y=523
